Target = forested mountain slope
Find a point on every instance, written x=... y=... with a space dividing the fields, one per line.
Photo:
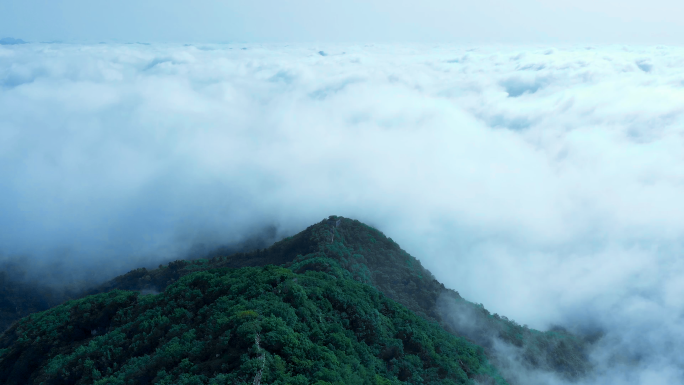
x=370 y=258
x=240 y=326
x=377 y=260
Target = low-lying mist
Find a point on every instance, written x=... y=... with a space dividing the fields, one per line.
x=543 y=182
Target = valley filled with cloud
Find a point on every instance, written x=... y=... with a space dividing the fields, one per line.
x=543 y=182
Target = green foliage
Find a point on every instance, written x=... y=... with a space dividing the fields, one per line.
x=248 y=314
x=337 y=248
x=318 y=326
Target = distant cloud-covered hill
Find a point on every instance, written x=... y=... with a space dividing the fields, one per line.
x=11 y=41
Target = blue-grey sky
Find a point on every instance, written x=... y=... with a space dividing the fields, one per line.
x=463 y=21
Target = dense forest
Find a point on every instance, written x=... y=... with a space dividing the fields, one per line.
x=236 y=326
x=360 y=309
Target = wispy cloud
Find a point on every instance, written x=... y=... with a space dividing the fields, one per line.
x=544 y=183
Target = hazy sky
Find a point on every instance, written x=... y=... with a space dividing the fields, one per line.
x=464 y=21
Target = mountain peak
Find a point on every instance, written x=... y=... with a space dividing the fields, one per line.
x=345 y=248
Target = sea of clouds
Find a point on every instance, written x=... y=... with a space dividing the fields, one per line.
x=545 y=182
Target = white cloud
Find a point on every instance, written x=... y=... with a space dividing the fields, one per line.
x=543 y=182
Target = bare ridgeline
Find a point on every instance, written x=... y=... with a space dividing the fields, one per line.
x=373 y=259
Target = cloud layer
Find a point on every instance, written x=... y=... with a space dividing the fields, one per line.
x=544 y=182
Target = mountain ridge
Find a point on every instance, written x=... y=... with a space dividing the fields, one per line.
x=377 y=260
x=373 y=259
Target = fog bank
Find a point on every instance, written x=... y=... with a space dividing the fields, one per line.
x=544 y=182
